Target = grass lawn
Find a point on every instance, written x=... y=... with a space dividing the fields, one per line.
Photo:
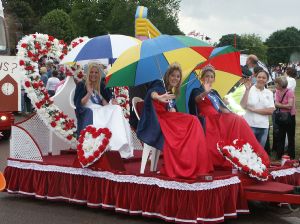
x=297 y=144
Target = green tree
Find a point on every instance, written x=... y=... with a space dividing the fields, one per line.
x=22 y=14
x=93 y=17
x=282 y=44
x=58 y=24
x=246 y=43
x=230 y=39
x=253 y=44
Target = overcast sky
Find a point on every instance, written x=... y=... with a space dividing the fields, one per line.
x=215 y=18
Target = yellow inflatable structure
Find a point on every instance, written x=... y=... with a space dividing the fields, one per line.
x=143 y=26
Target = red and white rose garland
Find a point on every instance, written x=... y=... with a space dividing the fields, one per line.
x=243 y=157
x=122 y=96
x=74 y=43
x=74 y=70
x=92 y=144
x=30 y=49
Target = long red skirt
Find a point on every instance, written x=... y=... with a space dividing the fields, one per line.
x=185 y=151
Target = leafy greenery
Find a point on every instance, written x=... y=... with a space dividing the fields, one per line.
x=91 y=17
x=58 y=24
x=282 y=44
x=247 y=43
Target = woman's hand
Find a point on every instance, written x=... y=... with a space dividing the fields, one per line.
x=164 y=98
x=172 y=110
x=114 y=102
x=248 y=84
x=278 y=105
x=89 y=88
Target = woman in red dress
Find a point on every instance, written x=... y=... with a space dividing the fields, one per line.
x=179 y=135
x=218 y=122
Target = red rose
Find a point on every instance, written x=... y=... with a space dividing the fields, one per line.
x=61 y=57
x=69 y=137
x=27 y=84
x=79 y=148
x=24 y=45
x=91 y=159
x=80 y=75
x=105 y=142
x=65 y=51
x=48 y=44
x=245 y=169
x=30 y=54
x=80 y=40
x=37 y=45
x=95 y=134
x=102 y=148
x=34 y=36
x=38 y=105
x=61 y=42
x=53 y=124
x=96 y=154
x=35 y=85
x=50 y=38
x=21 y=62
x=235 y=160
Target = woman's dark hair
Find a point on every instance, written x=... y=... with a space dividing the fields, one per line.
x=257 y=69
x=54 y=73
x=291 y=72
x=263 y=71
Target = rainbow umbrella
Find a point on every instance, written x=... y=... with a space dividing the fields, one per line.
x=106 y=48
x=150 y=59
x=226 y=61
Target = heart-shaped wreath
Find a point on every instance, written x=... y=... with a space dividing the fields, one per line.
x=31 y=48
x=243 y=157
x=92 y=144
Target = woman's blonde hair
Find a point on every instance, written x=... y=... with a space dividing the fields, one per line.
x=173 y=67
x=95 y=85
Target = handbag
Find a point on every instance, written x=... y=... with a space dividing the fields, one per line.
x=282 y=118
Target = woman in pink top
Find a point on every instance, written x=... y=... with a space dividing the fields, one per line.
x=285 y=101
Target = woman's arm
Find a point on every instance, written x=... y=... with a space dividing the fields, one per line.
x=244 y=100
x=164 y=98
x=263 y=111
x=287 y=106
x=207 y=88
x=224 y=109
x=87 y=96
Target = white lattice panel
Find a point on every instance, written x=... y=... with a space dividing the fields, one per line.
x=137 y=145
x=22 y=146
x=39 y=131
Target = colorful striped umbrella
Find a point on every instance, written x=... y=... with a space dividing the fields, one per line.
x=149 y=60
x=108 y=47
x=226 y=61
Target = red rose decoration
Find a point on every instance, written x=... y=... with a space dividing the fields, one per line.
x=53 y=124
x=24 y=45
x=21 y=62
x=87 y=137
x=27 y=84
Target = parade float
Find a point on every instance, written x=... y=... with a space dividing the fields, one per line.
x=47 y=162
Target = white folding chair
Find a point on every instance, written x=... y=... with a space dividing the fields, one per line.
x=147 y=148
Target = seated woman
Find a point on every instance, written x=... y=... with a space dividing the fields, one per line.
x=91 y=101
x=219 y=123
x=179 y=135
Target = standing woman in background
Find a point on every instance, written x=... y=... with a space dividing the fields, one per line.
x=259 y=105
x=285 y=101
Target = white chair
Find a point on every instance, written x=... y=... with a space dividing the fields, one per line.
x=147 y=148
